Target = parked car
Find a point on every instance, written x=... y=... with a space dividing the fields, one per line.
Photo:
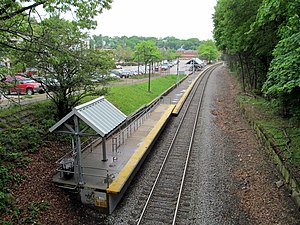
x=48 y=84
x=125 y=73
x=121 y=73
x=22 y=85
x=164 y=66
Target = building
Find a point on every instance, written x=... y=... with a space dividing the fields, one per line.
x=187 y=54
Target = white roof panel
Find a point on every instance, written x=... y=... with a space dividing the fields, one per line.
x=195 y=61
x=99 y=114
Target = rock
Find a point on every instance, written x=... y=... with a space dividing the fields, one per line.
x=279 y=183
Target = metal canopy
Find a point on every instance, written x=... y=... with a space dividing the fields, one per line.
x=99 y=114
x=195 y=61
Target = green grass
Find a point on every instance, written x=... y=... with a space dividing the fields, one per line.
x=267 y=115
x=129 y=98
x=24 y=128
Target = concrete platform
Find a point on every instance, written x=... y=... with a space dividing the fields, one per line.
x=105 y=182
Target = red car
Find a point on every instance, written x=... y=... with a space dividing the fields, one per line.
x=22 y=85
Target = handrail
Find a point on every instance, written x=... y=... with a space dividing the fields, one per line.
x=120 y=137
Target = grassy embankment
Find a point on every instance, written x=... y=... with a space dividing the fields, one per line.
x=283 y=133
x=23 y=129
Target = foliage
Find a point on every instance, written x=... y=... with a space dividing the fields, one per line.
x=124 y=47
x=23 y=136
x=24 y=31
x=284 y=132
x=283 y=79
x=67 y=64
x=208 y=50
x=18 y=18
x=233 y=20
x=283 y=76
x=261 y=41
x=146 y=52
x=106 y=42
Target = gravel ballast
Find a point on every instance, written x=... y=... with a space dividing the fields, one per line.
x=234 y=181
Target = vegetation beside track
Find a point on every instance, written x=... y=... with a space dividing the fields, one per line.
x=283 y=133
x=23 y=132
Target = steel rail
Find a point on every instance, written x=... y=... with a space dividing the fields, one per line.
x=190 y=146
x=172 y=143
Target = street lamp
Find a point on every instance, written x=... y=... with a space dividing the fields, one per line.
x=149 y=77
x=138 y=63
x=177 y=71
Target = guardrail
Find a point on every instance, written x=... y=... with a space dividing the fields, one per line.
x=121 y=136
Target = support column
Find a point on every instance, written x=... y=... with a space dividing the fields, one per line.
x=104 y=149
x=78 y=151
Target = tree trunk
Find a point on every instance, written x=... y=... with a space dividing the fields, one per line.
x=242 y=72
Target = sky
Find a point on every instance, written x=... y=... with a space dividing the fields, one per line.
x=158 y=18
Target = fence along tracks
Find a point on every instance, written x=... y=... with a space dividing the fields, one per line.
x=162 y=204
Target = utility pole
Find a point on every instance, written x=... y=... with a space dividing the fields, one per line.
x=149 y=78
x=177 y=71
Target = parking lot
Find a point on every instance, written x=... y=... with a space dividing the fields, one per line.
x=182 y=68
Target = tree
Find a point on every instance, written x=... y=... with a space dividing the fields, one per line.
x=246 y=51
x=18 y=18
x=147 y=52
x=283 y=79
x=261 y=37
x=208 y=50
x=67 y=64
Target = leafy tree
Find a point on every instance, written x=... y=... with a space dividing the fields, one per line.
x=208 y=50
x=130 y=42
x=20 y=21
x=233 y=21
x=68 y=65
x=18 y=18
x=147 y=52
x=283 y=79
x=123 y=54
x=261 y=38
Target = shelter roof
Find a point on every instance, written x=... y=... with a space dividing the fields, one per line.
x=195 y=61
x=99 y=114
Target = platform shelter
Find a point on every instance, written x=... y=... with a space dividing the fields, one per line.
x=88 y=123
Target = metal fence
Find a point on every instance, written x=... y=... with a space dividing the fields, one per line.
x=121 y=136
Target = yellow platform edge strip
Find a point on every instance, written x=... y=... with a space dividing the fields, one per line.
x=184 y=96
x=116 y=186
x=186 y=93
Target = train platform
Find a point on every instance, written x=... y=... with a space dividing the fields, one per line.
x=102 y=170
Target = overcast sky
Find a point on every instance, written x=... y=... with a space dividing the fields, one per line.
x=158 y=18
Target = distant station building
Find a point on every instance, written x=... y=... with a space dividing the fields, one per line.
x=187 y=54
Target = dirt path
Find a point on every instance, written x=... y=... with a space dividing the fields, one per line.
x=254 y=175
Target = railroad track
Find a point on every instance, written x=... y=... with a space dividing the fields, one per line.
x=163 y=202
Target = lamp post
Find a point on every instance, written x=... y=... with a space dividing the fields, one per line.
x=193 y=65
x=138 y=63
x=177 y=71
x=149 y=76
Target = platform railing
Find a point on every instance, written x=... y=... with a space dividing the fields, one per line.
x=70 y=174
x=67 y=169
x=121 y=136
